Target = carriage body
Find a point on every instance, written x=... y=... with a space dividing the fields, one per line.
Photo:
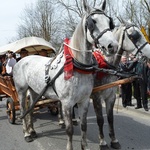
x=7 y=87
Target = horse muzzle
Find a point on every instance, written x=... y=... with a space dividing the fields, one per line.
x=110 y=50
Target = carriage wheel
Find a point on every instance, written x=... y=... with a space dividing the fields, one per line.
x=10 y=111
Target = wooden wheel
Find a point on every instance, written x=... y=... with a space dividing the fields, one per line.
x=10 y=111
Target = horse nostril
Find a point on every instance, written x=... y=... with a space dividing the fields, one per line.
x=111 y=48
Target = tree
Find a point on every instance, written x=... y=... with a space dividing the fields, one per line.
x=40 y=20
x=54 y=20
x=138 y=11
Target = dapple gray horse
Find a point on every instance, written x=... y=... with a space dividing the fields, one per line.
x=130 y=39
x=30 y=73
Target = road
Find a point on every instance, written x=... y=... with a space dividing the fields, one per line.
x=132 y=130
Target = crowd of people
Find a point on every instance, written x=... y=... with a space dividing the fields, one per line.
x=140 y=87
x=8 y=60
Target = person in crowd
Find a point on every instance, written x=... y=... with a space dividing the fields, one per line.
x=140 y=84
x=148 y=78
x=1 y=65
x=43 y=52
x=10 y=62
x=23 y=53
x=3 y=61
x=126 y=89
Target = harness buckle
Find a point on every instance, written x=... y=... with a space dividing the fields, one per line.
x=47 y=78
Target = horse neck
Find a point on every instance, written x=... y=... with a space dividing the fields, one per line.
x=79 y=42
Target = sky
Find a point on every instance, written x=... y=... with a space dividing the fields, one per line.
x=10 y=11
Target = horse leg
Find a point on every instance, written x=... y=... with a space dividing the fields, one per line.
x=67 y=114
x=31 y=96
x=109 y=110
x=23 y=108
x=100 y=121
x=60 y=115
x=73 y=116
x=83 y=110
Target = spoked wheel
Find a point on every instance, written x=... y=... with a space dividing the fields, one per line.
x=10 y=111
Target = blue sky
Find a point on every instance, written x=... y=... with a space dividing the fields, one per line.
x=10 y=11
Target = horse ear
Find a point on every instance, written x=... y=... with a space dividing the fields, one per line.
x=104 y=5
x=86 y=6
x=122 y=20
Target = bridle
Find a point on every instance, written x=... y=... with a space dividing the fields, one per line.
x=133 y=40
x=90 y=25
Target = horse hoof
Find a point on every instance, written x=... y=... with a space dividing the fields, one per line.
x=103 y=147
x=33 y=134
x=62 y=125
x=115 y=145
x=60 y=122
x=28 y=139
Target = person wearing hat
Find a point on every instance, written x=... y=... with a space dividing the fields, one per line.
x=23 y=53
x=10 y=62
x=44 y=52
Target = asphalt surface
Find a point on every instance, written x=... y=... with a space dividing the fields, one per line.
x=132 y=128
x=118 y=105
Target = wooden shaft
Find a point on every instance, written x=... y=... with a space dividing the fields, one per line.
x=112 y=84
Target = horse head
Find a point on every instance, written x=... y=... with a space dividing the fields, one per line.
x=95 y=30
x=132 y=39
x=99 y=29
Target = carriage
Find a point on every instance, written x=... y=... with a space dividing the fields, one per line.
x=7 y=88
x=78 y=88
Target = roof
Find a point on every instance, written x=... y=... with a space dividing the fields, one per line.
x=32 y=44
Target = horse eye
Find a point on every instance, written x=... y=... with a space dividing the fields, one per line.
x=94 y=21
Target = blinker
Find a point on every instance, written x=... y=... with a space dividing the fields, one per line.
x=134 y=36
x=90 y=24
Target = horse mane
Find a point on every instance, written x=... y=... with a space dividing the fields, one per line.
x=78 y=36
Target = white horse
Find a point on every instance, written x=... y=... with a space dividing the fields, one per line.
x=31 y=73
x=130 y=39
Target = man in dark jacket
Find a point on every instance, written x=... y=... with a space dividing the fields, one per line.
x=126 y=89
x=140 y=85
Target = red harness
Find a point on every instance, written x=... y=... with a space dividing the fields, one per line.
x=69 y=67
x=101 y=63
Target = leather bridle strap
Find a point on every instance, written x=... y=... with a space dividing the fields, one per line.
x=99 y=36
x=96 y=42
x=139 y=49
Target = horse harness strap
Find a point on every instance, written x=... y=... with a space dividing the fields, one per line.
x=83 y=68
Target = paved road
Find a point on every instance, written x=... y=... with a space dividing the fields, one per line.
x=132 y=130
